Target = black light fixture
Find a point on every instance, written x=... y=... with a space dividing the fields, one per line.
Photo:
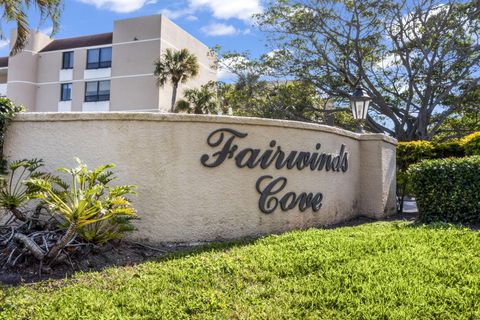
x=359 y=102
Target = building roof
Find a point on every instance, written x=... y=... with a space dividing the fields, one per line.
x=3 y=62
x=78 y=42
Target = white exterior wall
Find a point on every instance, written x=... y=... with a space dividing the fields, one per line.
x=181 y=200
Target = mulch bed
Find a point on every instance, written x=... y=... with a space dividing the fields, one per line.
x=121 y=253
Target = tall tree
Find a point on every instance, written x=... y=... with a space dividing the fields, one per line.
x=417 y=59
x=178 y=67
x=16 y=11
x=257 y=92
x=464 y=121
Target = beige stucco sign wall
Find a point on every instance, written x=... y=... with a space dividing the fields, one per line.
x=206 y=178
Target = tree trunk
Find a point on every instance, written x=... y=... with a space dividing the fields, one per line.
x=63 y=241
x=31 y=246
x=18 y=214
x=174 y=97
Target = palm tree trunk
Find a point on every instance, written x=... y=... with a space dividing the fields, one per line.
x=31 y=246
x=63 y=241
x=18 y=214
x=174 y=96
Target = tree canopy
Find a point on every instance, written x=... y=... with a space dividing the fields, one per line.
x=418 y=60
x=176 y=67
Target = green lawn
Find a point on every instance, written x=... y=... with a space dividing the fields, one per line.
x=373 y=271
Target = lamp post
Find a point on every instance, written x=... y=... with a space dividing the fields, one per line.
x=359 y=102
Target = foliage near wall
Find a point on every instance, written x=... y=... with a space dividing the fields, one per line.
x=7 y=112
x=67 y=216
x=447 y=189
x=409 y=153
x=412 y=152
x=471 y=144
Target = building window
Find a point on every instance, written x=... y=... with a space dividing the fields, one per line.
x=67 y=61
x=97 y=91
x=99 y=58
x=66 y=92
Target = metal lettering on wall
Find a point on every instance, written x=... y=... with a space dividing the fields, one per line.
x=223 y=141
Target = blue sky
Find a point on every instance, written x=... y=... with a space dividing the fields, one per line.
x=214 y=22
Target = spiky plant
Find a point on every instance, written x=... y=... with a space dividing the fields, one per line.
x=14 y=192
x=88 y=200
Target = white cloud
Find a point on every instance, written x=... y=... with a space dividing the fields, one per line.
x=121 y=6
x=221 y=9
x=225 y=75
x=47 y=30
x=191 y=18
x=175 y=14
x=226 y=9
x=4 y=43
x=219 y=29
x=227 y=64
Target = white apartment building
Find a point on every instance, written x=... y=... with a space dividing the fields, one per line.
x=101 y=72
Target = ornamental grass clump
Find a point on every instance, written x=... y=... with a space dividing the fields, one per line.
x=447 y=189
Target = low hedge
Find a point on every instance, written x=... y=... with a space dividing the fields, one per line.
x=471 y=144
x=412 y=152
x=447 y=189
x=409 y=153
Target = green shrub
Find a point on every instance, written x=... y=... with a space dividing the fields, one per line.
x=7 y=112
x=88 y=201
x=471 y=144
x=447 y=189
x=87 y=210
x=412 y=152
x=449 y=149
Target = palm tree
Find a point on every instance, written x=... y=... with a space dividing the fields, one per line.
x=199 y=101
x=178 y=67
x=16 y=11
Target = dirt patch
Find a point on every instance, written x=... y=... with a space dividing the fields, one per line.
x=122 y=253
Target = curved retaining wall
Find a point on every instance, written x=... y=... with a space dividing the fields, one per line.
x=207 y=178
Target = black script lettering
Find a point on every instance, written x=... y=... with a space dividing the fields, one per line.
x=289 y=161
x=303 y=160
x=344 y=157
x=324 y=161
x=268 y=202
x=215 y=139
x=252 y=156
x=224 y=139
x=286 y=203
x=265 y=160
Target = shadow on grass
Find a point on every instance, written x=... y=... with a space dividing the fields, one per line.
x=122 y=254
x=128 y=253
